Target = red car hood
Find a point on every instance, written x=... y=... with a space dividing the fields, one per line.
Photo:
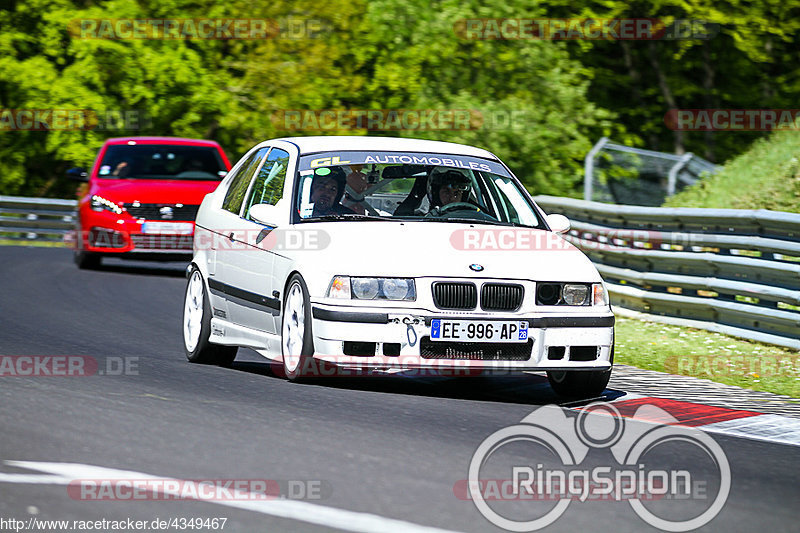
x=155 y=191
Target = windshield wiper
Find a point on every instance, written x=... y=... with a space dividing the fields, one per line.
x=475 y=221
x=349 y=216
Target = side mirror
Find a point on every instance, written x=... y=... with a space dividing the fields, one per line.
x=558 y=223
x=268 y=215
x=78 y=174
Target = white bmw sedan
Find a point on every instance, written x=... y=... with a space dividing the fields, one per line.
x=332 y=255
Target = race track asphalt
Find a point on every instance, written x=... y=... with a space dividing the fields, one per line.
x=390 y=447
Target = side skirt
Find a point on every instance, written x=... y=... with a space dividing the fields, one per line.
x=224 y=332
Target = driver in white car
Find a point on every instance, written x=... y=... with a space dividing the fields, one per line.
x=447 y=187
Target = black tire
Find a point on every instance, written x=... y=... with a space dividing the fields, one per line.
x=580 y=384
x=87 y=260
x=203 y=351
x=297 y=366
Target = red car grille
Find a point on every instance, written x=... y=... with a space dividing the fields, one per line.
x=177 y=212
x=163 y=242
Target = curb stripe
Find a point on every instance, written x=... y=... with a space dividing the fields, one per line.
x=687 y=413
x=712 y=419
x=772 y=428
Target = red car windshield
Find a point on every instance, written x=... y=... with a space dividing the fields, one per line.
x=159 y=161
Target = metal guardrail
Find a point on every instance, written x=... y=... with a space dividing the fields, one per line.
x=726 y=270
x=40 y=219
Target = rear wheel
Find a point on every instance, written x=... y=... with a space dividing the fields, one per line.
x=297 y=341
x=197 y=327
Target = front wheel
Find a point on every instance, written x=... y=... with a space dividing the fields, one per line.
x=87 y=260
x=578 y=384
x=297 y=342
x=197 y=327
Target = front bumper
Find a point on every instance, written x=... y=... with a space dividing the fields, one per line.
x=108 y=233
x=399 y=339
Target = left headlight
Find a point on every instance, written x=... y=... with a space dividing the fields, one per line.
x=101 y=204
x=572 y=294
x=372 y=288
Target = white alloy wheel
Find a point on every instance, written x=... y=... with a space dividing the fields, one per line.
x=193 y=312
x=294 y=327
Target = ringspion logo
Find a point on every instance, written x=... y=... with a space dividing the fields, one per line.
x=518 y=494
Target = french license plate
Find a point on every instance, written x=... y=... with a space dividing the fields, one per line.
x=479 y=330
x=174 y=228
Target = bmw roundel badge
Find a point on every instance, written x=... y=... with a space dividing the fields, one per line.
x=476 y=268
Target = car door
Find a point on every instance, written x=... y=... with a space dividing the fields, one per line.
x=254 y=298
x=228 y=233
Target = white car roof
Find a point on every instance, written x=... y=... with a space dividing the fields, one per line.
x=332 y=143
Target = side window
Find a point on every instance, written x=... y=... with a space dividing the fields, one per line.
x=239 y=183
x=268 y=183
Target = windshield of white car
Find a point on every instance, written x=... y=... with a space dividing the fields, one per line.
x=466 y=190
x=162 y=161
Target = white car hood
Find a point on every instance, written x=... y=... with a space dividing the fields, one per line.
x=440 y=249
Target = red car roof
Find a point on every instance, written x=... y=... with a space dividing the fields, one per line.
x=162 y=140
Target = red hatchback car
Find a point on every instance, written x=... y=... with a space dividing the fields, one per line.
x=143 y=197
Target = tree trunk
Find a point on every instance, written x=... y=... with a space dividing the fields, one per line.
x=666 y=93
x=709 y=98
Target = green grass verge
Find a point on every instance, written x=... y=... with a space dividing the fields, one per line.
x=767 y=176
x=704 y=354
x=41 y=244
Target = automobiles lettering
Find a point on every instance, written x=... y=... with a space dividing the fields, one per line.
x=358 y=255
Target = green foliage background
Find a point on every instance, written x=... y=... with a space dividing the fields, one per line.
x=392 y=54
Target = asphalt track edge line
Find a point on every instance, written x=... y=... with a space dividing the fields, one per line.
x=359 y=522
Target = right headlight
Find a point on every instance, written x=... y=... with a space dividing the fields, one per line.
x=362 y=288
x=101 y=204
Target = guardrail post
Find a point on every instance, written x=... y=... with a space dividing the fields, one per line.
x=588 y=168
x=672 y=179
